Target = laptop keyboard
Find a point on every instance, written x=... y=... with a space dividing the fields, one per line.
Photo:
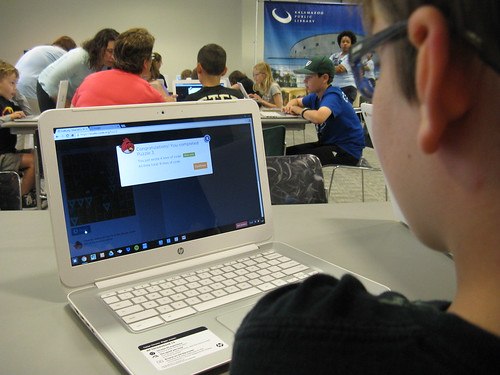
x=161 y=301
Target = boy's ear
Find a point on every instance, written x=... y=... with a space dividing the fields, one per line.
x=440 y=80
x=224 y=71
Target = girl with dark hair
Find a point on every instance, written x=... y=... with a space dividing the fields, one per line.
x=343 y=73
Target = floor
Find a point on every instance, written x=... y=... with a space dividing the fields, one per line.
x=346 y=185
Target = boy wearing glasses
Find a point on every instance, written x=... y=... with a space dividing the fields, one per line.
x=340 y=135
x=438 y=140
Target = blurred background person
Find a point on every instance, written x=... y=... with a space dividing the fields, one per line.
x=186 y=74
x=94 y=55
x=343 y=73
x=268 y=92
x=125 y=83
x=155 y=70
x=31 y=64
x=238 y=76
x=153 y=76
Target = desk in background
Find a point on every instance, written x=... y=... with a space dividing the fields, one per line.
x=42 y=335
x=29 y=127
x=290 y=93
x=271 y=118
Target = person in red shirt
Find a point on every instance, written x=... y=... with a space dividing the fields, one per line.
x=124 y=83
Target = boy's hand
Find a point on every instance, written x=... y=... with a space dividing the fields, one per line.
x=16 y=115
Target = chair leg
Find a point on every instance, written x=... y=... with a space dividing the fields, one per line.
x=331 y=181
x=362 y=185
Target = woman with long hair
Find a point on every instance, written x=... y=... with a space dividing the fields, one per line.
x=95 y=54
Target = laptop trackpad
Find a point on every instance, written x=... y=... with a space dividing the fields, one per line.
x=233 y=319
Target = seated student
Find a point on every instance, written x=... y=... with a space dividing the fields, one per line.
x=186 y=74
x=123 y=84
x=340 y=134
x=194 y=74
x=210 y=68
x=10 y=158
x=153 y=76
x=237 y=76
x=267 y=92
x=437 y=138
x=155 y=68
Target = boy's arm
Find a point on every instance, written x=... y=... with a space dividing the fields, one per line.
x=11 y=117
x=318 y=116
x=22 y=102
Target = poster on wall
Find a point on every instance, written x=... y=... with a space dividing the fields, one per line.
x=296 y=32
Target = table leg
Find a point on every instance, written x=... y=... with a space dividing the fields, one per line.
x=36 y=146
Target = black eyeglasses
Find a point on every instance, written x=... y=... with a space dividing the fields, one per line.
x=358 y=53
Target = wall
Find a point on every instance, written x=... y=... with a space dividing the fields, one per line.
x=180 y=27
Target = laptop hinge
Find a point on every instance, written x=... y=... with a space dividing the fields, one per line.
x=154 y=272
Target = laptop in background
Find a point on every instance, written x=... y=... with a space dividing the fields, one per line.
x=142 y=194
x=184 y=87
x=243 y=91
x=62 y=94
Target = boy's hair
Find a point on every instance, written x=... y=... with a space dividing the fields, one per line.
x=7 y=69
x=348 y=34
x=330 y=77
x=65 y=42
x=132 y=48
x=97 y=45
x=463 y=16
x=212 y=59
x=236 y=76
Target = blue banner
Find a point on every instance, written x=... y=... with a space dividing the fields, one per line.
x=296 y=32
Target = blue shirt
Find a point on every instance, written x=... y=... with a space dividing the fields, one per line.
x=342 y=127
x=72 y=66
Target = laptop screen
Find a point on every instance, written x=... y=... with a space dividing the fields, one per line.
x=138 y=186
x=185 y=87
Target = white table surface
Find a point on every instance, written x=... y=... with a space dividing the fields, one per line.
x=41 y=335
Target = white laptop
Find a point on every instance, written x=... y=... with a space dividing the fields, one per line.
x=145 y=197
x=62 y=94
x=366 y=112
x=243 y=90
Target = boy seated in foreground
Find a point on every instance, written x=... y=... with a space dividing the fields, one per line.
x=436 y=131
